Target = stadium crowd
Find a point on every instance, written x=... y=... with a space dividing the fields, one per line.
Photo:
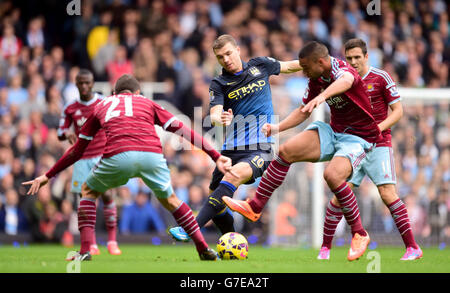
x=42 y=49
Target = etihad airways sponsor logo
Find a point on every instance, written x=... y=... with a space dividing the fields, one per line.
x=245 y=90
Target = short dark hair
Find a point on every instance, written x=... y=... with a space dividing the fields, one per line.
x=84 y=72
x=223 y=40
x=356 y=43
x=313 y=49
x=126 y=82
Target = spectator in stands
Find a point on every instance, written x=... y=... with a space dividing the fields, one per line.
x=105 y=55
x=145 y=61
x=17 y=95
x=35 y=33
x=287 y=215
x=12 y=218
x=98 y=36
x=130 y=38
x=46 y=224
x=10 y=45
x=119 y=65
x=140 y=217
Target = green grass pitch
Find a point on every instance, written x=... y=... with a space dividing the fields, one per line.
x=182 y=258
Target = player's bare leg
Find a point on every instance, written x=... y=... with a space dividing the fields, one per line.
x=303 y=147
x=110 y=214
x=336 y=174
x=184 y=217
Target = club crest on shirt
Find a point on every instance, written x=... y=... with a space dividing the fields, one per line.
x=211 y=96
x=370 y=87
x=254 y=71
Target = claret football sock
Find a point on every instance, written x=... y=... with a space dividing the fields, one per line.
x=400 y=215
x=272 y=178
x=86 y=223
x=215 y=205
x=184 y=217
x=349 y=206
x=333 y=216
x=110 y=213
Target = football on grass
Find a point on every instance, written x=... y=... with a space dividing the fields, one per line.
x=232 y=246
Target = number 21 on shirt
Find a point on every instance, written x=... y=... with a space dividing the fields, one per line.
x=114 y=100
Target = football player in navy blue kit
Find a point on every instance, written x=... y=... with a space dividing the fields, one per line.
x=240 y=100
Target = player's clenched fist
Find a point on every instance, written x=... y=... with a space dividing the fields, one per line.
x=269 y=129
x=226 y=117
x=224 y=164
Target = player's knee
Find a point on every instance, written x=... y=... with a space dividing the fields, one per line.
x=236 y=179
x=87 y=192
x=285 y=154
x=388 y=193
x=241 y=173
x=333 y=178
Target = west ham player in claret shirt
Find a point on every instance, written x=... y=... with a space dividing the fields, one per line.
x=133 y=149
x=344 y=142
x=76 y=114
x=379 y=164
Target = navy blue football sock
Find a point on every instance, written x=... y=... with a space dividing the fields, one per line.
x=224 y=221
x=215 y=205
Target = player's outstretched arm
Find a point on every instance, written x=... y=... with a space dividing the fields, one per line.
x=36 y=183
x=295 y=118
x=70 y=156
x=177 y=127
x=290 y=66
x=224 y=165
x=339 y=86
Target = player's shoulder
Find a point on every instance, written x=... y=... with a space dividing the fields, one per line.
x=382 y=75
x=99 y=96
x=255 y=61
x=339 y=66
x=338 y=63
x=71 y=106
x=217 y=82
